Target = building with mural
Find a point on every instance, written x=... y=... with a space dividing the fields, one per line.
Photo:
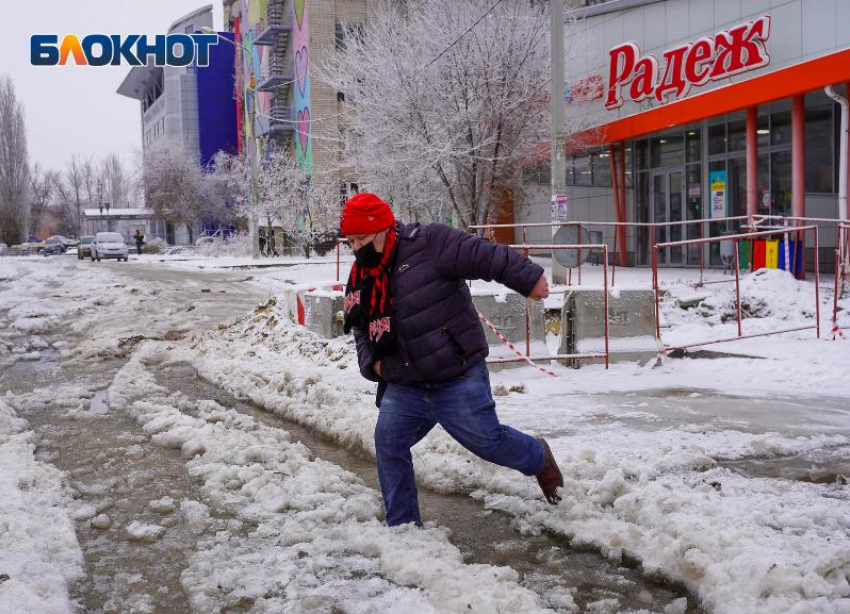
x=193 y=107
x=688 y=110
x=279 y=102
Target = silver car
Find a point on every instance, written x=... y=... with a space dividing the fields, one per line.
x=109 y=245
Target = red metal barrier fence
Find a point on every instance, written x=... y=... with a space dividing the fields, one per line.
x=736 y=239
x=654 y=229
x=758 y=226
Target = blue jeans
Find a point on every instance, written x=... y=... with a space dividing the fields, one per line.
x=465 y=408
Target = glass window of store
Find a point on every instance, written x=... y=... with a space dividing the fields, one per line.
x=594 y=168
x=823 y=120
x=669 y=170
x=727 y=150
x=668 y=192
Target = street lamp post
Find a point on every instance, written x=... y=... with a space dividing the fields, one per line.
x=253 y=223
x=559 y=171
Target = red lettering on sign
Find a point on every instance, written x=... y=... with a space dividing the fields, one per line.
x=728 y=53
x=646 y=73
x=620 y=72
x=699 y=55
x=748 y=50
x=586 y=90
x=673 y=80
x=722 y=50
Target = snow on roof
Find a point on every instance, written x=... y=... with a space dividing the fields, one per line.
x=118 y=213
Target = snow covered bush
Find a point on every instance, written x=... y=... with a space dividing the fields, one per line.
x=238 y=244
x=155 y=245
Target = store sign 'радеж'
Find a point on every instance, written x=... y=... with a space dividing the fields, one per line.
x=711 y=58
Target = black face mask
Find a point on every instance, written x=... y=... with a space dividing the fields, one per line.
x=367 y=256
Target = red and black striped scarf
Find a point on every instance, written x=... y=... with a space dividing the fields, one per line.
x=369 y=303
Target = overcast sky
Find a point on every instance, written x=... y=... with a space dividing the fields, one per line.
x=75 y=110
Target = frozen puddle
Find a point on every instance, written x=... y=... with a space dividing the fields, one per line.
x=546 y=563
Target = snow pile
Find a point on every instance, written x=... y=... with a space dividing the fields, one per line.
x=73 y=399
x=39 y=553
x=742 y=546
x=308 y=531
x=766 y=293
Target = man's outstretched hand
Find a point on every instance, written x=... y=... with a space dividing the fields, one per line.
x=540 y=289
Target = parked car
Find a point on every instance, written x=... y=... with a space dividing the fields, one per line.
x=33 y=245
x=65 y=241
x=84 y=248
x=54 y=245
x=109 y=245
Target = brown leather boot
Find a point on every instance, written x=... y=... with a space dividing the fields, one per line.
x=550 y=479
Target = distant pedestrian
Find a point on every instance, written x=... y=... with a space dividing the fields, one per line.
x=262 y=239
x=419 y=336
x=140 y=240
x=272 y=245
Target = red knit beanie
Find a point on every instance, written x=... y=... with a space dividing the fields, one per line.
x=364 y=214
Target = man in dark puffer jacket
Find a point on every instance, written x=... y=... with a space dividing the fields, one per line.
x=419 y=336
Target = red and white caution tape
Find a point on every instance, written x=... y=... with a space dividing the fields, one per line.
x=513 y=347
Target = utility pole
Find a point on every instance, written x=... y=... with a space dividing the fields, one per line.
x=559 y=171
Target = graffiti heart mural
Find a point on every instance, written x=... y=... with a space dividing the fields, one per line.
x=301 y=44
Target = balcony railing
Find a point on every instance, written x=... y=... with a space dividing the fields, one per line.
x=278 y=21
x=278 y=121
x=277 y=75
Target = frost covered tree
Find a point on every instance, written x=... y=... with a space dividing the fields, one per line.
x=177 y=188
x=14 y=167
x=283 y=195
x=443 y=100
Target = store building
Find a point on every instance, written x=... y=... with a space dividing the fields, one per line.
x=708 y=108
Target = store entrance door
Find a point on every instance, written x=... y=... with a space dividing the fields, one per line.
x=668 y=205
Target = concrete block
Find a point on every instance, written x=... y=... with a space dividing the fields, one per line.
x=316 y=306
x=506 y=310
x=631 y=326
x=323 y=312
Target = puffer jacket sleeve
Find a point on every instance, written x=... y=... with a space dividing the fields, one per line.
x=462 y=255
x=365 y=360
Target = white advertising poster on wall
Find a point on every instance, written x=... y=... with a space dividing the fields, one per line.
x=559 y=208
